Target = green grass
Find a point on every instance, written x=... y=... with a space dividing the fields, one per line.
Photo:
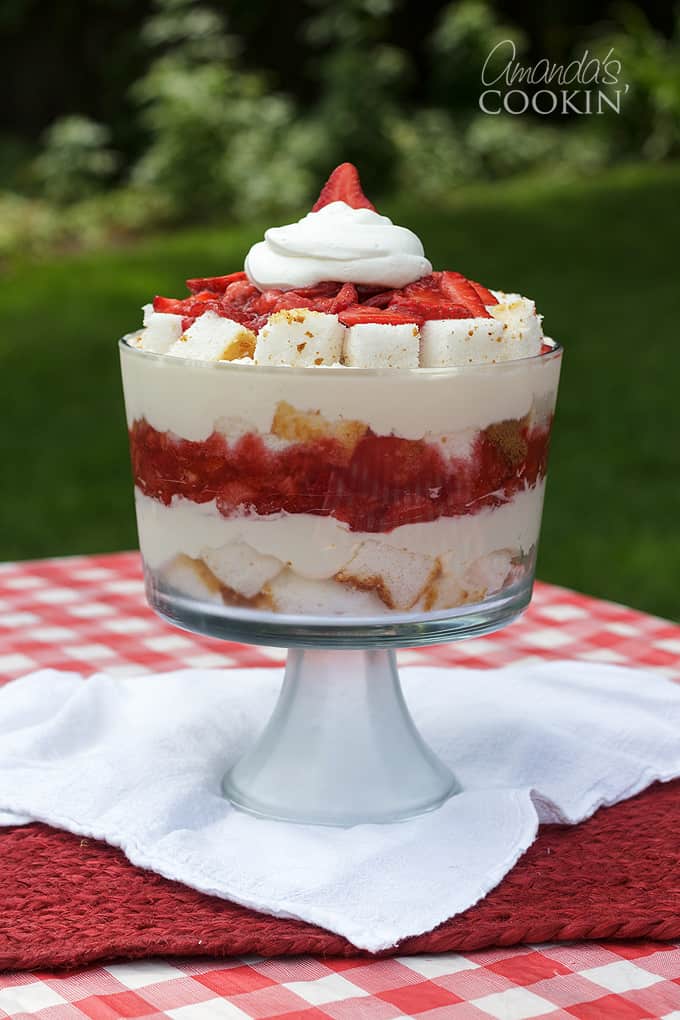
x=600 y=257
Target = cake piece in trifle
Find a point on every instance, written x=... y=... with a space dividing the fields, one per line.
x=338 y=429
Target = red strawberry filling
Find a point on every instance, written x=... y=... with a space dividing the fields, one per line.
x=382 y=483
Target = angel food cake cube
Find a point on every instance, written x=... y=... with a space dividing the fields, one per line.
x=380 y=345
x=301 y=337
x=478 y=580
x=397 y=576
x=290 y=593
x=214 y=338
x=193 y=578
x=241 y=568
x=161 y=330
x=294 y=425
x=522 y=329
x=461 y=342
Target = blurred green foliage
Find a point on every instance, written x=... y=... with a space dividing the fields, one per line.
x=649 y=122
x=462 y=40
x=219 y=139
x=76 y=160
x=212 y=128
x=361 y=78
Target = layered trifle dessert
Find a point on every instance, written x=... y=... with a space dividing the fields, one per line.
x=339 y=429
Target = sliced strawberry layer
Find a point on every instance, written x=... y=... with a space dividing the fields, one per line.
x=343 y=185
x=345 y=298
x=239 y=291
x=325 y=289
x=384 y=482
x=218 y=284
x=432 y=298
x=357 y=314
x=172 y=306
x=426 y=285
x=187 y=306
x=293 y=299
x=440 y=295
x=381 y=300
x=485 y=295
x=461 y=291
x=420 y=311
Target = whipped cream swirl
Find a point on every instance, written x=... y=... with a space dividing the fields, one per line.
x=337 y=243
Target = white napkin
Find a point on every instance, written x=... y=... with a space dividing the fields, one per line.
x=138 y=762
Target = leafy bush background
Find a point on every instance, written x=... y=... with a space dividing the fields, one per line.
x=217 y=138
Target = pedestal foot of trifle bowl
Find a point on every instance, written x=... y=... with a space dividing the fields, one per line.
x=340 y=747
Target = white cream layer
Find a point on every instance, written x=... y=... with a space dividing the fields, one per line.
x=188 y=397
x=318 y=547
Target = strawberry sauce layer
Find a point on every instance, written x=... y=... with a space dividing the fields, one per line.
x=441 y=295
x=379 y=484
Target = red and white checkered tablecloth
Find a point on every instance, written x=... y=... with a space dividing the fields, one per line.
x=88 y=613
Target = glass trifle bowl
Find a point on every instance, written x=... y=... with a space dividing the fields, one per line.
x=332 y=510
x=341 y=451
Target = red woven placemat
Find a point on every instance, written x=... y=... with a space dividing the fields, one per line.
x=66 y=901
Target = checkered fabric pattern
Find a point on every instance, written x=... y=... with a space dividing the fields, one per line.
x=88 y=613
x=590 y=982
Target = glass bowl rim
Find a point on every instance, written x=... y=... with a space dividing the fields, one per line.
x=335 y=371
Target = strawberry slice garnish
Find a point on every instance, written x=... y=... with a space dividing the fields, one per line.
x=366 y=291
x=265 y=302
x=173 y=306
x=430 y=284
x=294 y=299
x=460 y=291
x=345 y=298
x=343 y=185
x=325 y=289
x=485 y=295
x=358 y=314
x=381 y=300
x=199 y=307
x=216 y=284
x=433 y=308
x=426 y=298
x=186 y=306
x=239 y=292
